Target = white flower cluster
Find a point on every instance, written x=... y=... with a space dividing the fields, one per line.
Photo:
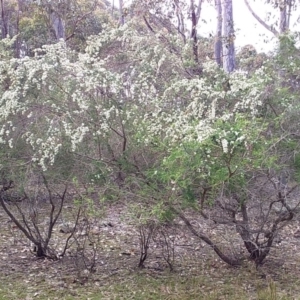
x=140 y=85
x=194 y=105
x=230 y=140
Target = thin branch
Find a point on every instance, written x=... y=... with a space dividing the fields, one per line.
x=268 y=27
x=148 y=25
x=198 y=13
x=12 y=217
x=72 y=233
x=225 y=258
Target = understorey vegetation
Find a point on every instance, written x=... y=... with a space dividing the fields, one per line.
x=135 y=119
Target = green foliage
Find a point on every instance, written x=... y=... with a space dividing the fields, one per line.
x=127 y=116
x=207 y=140
x=234 y=150
x=34 y=31
x=205 y=135
x=98 y=175
x=6 y=48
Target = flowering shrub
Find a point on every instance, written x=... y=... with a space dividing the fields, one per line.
x=130 y=110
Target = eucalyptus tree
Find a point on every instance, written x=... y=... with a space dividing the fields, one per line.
x=218 y=36
x=38 y=23
x=195 y=15
x=122 y=17
x=286 y=46
x=284 y=8
x=4 y=30
x=228 y=37
x=65 y=17
x=10 y=14
x=174 y=16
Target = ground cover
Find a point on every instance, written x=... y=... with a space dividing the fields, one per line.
x=197 y=274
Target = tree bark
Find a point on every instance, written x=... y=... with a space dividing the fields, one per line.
x=198 y=12
x=122 y=19
x=218 y=37
x=180 y=19
x=4 y=30
x=228 y=37
x=283 y=17
x=58 y=25
x=194 y=32
x=289 y=12
x=285 y=13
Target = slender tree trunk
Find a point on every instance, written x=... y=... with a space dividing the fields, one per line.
x=218 y=37
x=58 y=25
x=180 y=19
x=122 y=19
x=228 y=37
x=289 y=12
x=4 y=30
x=194 y=31
x=18 y=41
x=199 y=8
x=283 y=17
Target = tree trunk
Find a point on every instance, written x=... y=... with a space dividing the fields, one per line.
x=58 y=25
x=285 y=8
x=180 y=19
x=228 y=37
x=289 y=12
x=39 y=250
x=122 y=19
x=218 y=37
x=194 y=32
x=283 y=17
x=285 y=14
x=4 y=30
x=198 y=12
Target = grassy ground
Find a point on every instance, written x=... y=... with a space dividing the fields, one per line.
x=198 y=273
x=144 y=285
